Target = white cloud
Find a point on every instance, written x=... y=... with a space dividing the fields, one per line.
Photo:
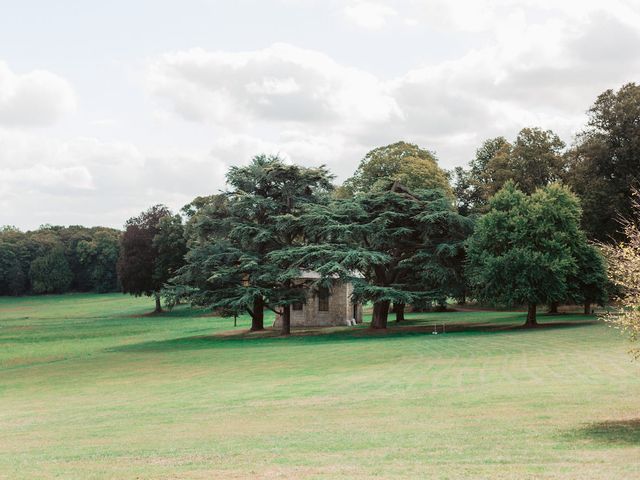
x=37 y=98
x=280 y=83
x=367 y=14
x=303 y=103
x=496 y=15
x=91 y=182
x=545 y=74
x=512 y=63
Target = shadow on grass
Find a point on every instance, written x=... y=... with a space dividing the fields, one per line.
x=622 y=432
x=323 y=335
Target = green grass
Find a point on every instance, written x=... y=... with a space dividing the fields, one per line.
x=90 y=387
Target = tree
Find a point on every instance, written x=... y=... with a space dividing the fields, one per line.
x=138 y=262
x=623 y=259
x=232 y=236
x=171 y=247
x=487 y=172
x=603 y=165
x=401 y=162
x=522 y=250
x=99 y=257
x=535 y=159
x=86 y=251
x=590 y=284
x=51 y=273
x=394 y=246
x=12 y=277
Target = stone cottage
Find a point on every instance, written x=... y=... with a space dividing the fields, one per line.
x=324 y=306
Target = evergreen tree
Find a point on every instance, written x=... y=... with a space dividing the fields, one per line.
x=231 y=238
x=395 y=246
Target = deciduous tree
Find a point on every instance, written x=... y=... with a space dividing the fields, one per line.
x=402 y=162
x=522 y=250
x=604 y=164
x=137 y=264
x=535 y=159
x=623 y=260
x=51 y=273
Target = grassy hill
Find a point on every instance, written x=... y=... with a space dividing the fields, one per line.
x=91 y=387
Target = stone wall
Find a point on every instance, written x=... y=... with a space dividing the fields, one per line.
x=341 y=310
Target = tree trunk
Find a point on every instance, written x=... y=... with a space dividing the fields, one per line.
x=158 y=304
x=380 y=314
x=286 y=320
x=398 y=308
x=531 y=316
x=553 y=307
x=587 y=307
x=257 y=316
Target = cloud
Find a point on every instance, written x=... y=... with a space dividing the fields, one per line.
x=528 y=63
x=280 y=83
x=91 y=182
x=367 y=14
x=493 y=16
x=37 y=98
x=544 y=72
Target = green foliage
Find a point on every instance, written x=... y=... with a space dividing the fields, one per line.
x=232 y=236
x=522 y=250
x=395 y=246
x=401 y=162
x=152 y=251
x=604 y=163
x=535 y=159
x=90 y=253
x=99 y=256
x=50 y=273
x=12 y=277
x=589 y=285
x=171 y=247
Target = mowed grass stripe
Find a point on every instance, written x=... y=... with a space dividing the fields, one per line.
x=179 y=396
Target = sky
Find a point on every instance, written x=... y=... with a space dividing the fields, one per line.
x=107 y=108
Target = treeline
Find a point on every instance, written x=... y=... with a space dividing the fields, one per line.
x=514 y=227
x=602 y=166
x=56 y=259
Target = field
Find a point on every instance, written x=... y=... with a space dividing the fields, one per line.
x=91 y=387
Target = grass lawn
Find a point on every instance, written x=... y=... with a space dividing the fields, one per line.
x=90 y=387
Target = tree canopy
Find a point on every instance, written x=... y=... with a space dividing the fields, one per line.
x=232 y=236
x=535 y=159
x=523 y=249
x=90 y=255
x=143 y=266
x=395 y=246
x=50 y=273
x=406 y=163
x=604 y=165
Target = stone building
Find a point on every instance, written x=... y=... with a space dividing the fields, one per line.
x=324 y=306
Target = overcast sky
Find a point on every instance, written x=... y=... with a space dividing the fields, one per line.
x=109 y=107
